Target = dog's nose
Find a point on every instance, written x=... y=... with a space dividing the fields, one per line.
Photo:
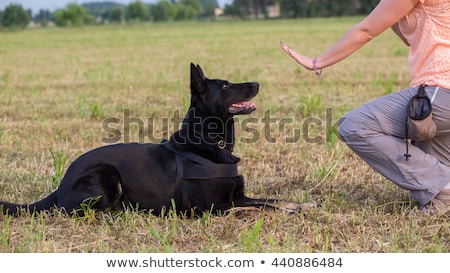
x=255 y=86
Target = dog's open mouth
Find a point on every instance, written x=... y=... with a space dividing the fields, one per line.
x=242 y=108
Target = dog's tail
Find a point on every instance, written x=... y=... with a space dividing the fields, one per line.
x=47 y=203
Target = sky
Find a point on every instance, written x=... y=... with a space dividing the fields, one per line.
x=36 y=5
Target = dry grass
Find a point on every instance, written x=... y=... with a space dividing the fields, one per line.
x=58 y=85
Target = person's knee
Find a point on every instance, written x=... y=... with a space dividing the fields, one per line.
x=346 y=128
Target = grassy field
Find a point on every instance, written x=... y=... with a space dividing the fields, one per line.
x=57 y=86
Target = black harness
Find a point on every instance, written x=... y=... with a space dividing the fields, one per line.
x=202 y=169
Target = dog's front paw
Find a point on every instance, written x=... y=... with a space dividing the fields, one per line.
x=293 y=207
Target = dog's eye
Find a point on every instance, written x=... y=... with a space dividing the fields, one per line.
x=225 y=85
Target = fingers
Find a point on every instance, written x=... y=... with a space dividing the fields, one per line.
x=286 y=49
x=300 y=59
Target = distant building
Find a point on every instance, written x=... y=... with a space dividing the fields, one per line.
x=218 y=12
x=273 y=11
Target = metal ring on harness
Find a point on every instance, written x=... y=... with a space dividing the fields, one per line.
x=222 y=144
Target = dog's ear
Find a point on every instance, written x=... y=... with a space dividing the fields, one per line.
x=197 y=78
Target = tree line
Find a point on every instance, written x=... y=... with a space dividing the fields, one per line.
x=15 y=16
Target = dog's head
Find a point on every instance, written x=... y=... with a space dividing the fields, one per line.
x=221 y=98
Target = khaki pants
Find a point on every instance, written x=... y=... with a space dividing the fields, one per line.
x=376 y=132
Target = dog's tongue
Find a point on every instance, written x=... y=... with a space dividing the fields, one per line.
x=245 y=107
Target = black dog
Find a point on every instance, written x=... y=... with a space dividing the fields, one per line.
x=195 y=171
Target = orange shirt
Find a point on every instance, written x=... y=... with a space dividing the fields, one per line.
x=427 y=29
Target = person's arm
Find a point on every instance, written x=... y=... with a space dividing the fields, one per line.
x=385 y=14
